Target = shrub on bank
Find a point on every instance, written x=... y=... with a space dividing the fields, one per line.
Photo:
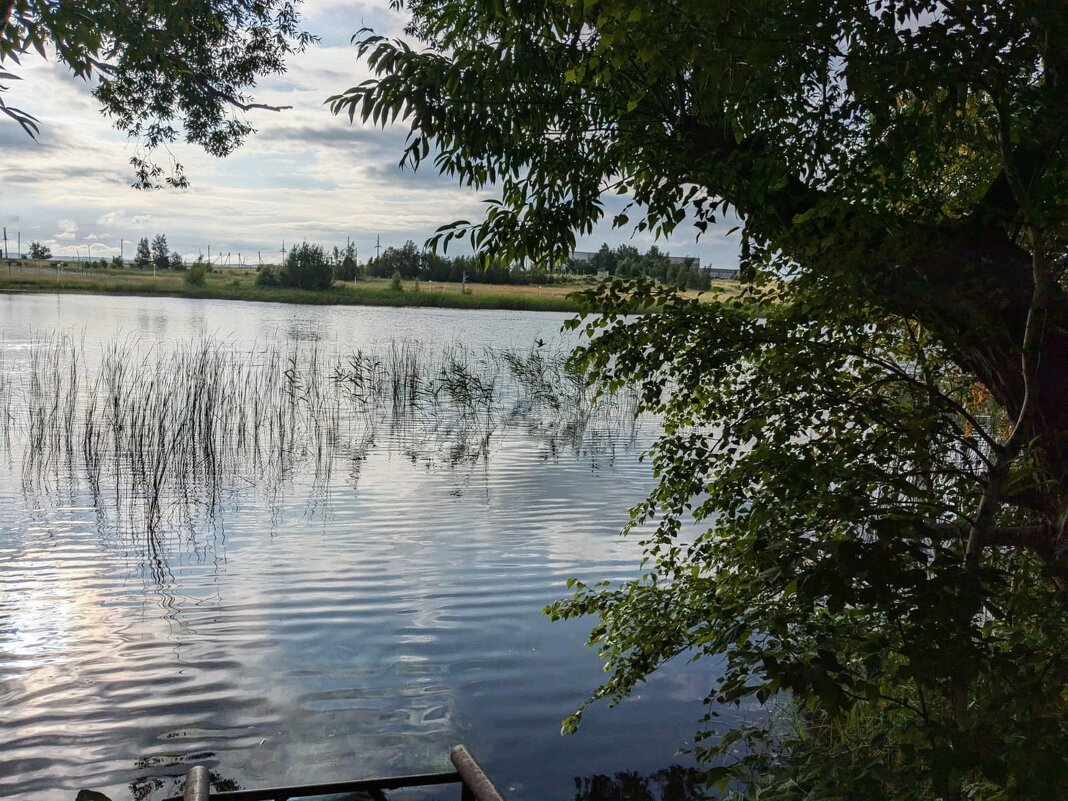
x=267 y=276
x=307 y=267
x=347 y=270
x=196 y=275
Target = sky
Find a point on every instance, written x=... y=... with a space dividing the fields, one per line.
x=305 y=174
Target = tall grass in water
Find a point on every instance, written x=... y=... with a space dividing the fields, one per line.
x=172 y=433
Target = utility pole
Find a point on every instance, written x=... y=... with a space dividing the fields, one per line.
x=378 y=246
x=5 y=241
x=122 y=242
x=283 y=252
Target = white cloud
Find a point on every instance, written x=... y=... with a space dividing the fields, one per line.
x=306 y=174
x=66 y=229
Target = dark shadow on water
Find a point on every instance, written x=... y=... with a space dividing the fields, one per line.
x=164 y=777
x=673 y=783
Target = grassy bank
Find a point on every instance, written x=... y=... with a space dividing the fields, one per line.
x=235 y=284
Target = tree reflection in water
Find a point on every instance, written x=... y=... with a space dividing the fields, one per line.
x=673 y=783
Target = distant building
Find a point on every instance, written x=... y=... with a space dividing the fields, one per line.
x=724 y=273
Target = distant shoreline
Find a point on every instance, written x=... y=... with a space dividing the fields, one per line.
x=234 y=285
x=239 y=285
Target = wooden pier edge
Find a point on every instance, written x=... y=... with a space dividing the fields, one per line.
x=476 y=784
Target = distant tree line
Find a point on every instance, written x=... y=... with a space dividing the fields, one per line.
x=149 y=254
x=626 y=262
x=412 y=262
x=156 y=255
x=309 y=266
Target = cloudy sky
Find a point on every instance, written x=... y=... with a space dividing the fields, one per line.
x=305 y=174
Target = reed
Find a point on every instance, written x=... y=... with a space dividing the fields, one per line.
x=164 y=436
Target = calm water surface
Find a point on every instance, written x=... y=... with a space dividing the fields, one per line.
x=354 y=604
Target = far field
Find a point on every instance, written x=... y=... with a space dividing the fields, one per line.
x=239 y=284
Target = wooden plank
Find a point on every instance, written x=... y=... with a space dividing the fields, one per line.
x=474 y=778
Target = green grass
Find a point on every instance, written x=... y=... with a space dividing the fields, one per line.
x=240 y=285
x=361 y=295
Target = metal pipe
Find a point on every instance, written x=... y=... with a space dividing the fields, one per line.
x=197 y=784
x=475 y=779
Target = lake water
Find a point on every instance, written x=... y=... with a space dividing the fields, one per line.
x=338 y=572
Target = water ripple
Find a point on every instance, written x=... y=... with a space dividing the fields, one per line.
x=352 y=603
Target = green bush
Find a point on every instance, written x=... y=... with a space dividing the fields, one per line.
x=307 y=267
x=267 y=276
x=196 y=274
x=395 y=282
x=347 y=269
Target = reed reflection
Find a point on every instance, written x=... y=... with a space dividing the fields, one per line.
x=166 y=438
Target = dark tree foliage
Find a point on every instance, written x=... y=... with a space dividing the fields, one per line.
x=161 y=255
x=163 y=72
x=626 y=262
x=143 y=256
x=39 y=251
x=347 y=269
x=267 y=276
x=673 y=783
x=413 y=263
x=862 y=493
x=406 y=260
x=306 y=267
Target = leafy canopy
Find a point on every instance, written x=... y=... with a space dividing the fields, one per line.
x=307 y=267
x=163 y=72
x=696 y=106
x=862 y=489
